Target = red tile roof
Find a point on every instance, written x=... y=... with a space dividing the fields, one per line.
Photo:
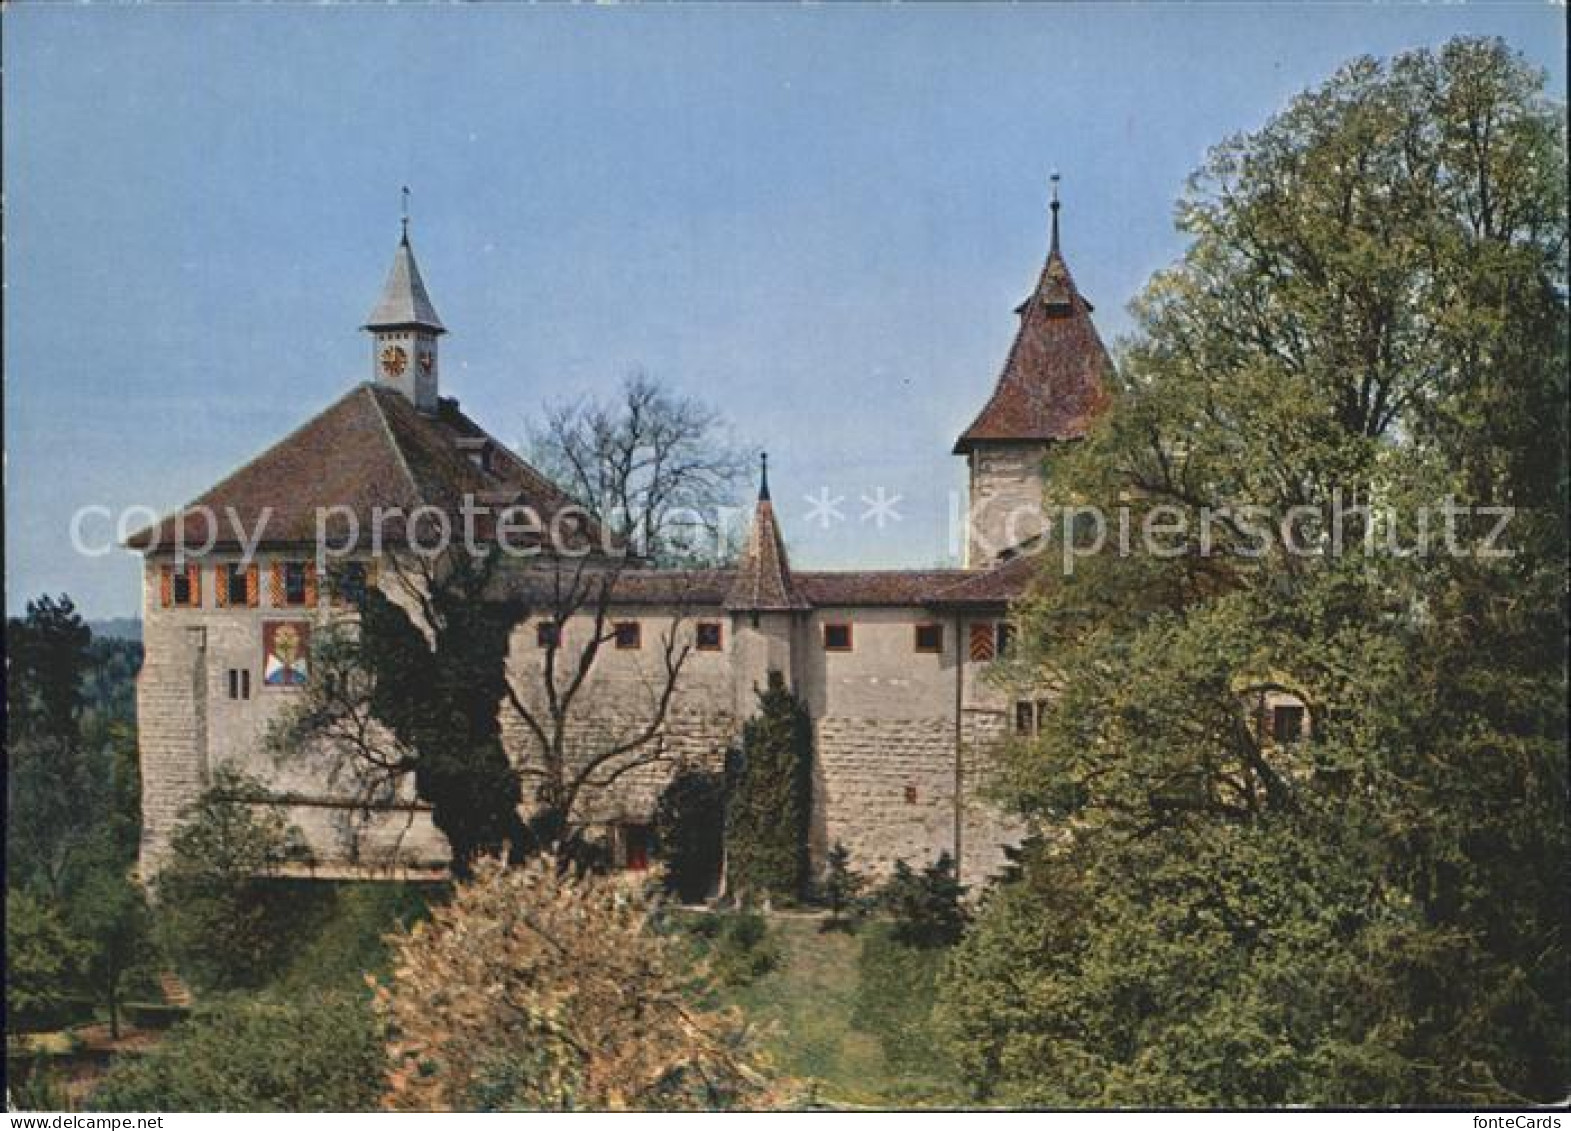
x=1054 y=381
x=763 y=580
x=370 y=449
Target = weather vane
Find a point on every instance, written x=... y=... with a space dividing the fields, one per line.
x=406 y=212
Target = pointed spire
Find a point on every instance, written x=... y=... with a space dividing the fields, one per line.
x=763 y=576
x=1053 y=250
x=404 y=302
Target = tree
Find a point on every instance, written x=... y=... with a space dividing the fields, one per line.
x=541 y=988
x=842 y=884
x=50 y=783
x=412 y=683
x=108 y=913
x=1370 y=320
x=214 y=901
x=771 y=801
x=41 y=959
x=652 y=465
x=690 y=828
x=315 y=1052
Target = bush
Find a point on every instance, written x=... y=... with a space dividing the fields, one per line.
x=41 y=959
x=536 y=987
x=690 y=826
x=321 y=1053
x=927 y=906
x=218 y=916
x=743 y=951
x=841 y=886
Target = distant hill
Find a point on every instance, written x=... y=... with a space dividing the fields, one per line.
x=118 y=628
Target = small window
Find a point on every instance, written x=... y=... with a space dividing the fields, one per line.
x=184 y=588
x=1287 y=722
x=629 y=635
x=837 y=638
x=295 y=587
x=239 y=683
x=237 y=588
x=929 y=638
x=910 y=795
x=709 y=636
x=1030 y=716
x=1006 y=637
x=548 y=634
x=984 y=642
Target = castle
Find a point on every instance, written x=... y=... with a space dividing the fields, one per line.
x=892 y=665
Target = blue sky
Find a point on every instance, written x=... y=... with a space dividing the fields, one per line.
x=819 y=219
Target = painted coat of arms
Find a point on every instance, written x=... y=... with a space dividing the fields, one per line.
x=286 y=653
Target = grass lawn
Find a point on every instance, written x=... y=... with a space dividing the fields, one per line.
x=806 y=1004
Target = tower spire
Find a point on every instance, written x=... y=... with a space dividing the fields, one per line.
x=1054 y=206
x=763 y=477
x=404 y=218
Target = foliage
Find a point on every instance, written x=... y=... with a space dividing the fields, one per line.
x=690 y=828
x=340 y=930
x=771 y=798
x=928 y=906
x=216 y=912
x=108 y=913
x=39 y=1088
x=42 y=959
x=897 y=984
x=743 y=951
x=841 y=885
x=51 y=786
x=539 y=988
x=1371 y=312
x=313 y=1053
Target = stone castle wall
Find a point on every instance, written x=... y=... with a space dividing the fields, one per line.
x=885 y=728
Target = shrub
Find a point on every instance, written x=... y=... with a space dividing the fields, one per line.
x=841 y=886
x=41 y=958
x=216 y=914
x=743 y=951
x=320 y=1053
x=927 y=906
x=537 y=987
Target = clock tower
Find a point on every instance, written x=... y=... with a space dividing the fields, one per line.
x=404 y=330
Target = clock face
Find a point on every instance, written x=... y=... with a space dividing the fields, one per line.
x=427 y=361
x=394 y=359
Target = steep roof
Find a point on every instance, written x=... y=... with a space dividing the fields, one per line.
x=763 y=576
x=404 y=300
x=369 y=449
x=1054 y=379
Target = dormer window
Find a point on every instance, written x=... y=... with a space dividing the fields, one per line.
x=479 y=450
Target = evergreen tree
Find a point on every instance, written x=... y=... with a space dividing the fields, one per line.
x=771 y=800
x=842 y=884
x=690 y=826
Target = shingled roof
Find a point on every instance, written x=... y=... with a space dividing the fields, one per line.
x=369 y=449
x=1054 y=380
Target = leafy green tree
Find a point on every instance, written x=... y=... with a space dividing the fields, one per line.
x=319 y=1052
x=1371 y=314
x=771 y=799
x=216 y=913
x=928 y=907
x=42 y=959
x=841 y=885
x=690 y=827
x=108 y=913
